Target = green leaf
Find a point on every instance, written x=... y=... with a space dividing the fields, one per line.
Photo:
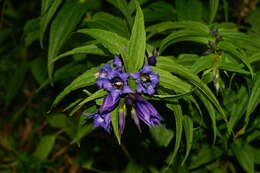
x=124 y=9
x=47 y=15
x=176 y=108
x=240 y=39
x=115 y=119
x=211 y=112
x=15 y=82
x=230 y=48
x=110 y=40
x=57 y=120
x=254 y=98
x=256 y=153
x=255 y=57
x=45 y=146
x=86 y=79
x=88 y=49
x=202 y=63
x=233 y=68
x=184 y=35
x=239 y=108
x=45 y=5
x=213 y=9
x=171 y=66
x=111 y=23
x=169 y=81
x=205 y=155
x=39 y=71
x=137 y=43
x=188 y=130
x=133 y=167
x=96 y=95
x=244 y=155
x=162 y=135
x=62 y=26
x=165 y=26
x=194 y=12
x=159 y=11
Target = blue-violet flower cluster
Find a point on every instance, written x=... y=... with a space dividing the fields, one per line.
x=113 y=79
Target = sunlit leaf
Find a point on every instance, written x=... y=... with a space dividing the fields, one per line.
x=137 y=43
x=112 y=41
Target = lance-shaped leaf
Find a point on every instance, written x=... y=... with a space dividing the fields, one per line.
x=171 y=66
x=176 y=108
x=45 y=147
x=86 y=79
x=213 y=9
x=110 y=40
x=88 y=49
x=188 y=130
x=47 y=15
x=98 y=94
x=137 y=43
x=254 y=98
x=62 y=26
x=115 y=126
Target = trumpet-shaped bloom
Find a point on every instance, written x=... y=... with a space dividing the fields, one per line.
x=117 y=83
x=101 y=120
x=146 y=80
x=109 y=103
x=144 y=111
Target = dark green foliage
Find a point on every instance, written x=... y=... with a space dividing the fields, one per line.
x=208 y=95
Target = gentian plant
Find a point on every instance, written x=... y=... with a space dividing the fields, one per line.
x=112 y=78
x=169 y=86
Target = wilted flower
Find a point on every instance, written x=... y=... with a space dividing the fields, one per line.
x=146 y=80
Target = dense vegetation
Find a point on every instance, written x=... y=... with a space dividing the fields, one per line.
x=208 y=59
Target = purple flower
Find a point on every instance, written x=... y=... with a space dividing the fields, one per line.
x=117 y=62
x=147 y=113
x=146 y=80
x=152 y=59
x=117 y=83
x=109 y=103
x=101 y=120
x=103 y=75
x=144 y=111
